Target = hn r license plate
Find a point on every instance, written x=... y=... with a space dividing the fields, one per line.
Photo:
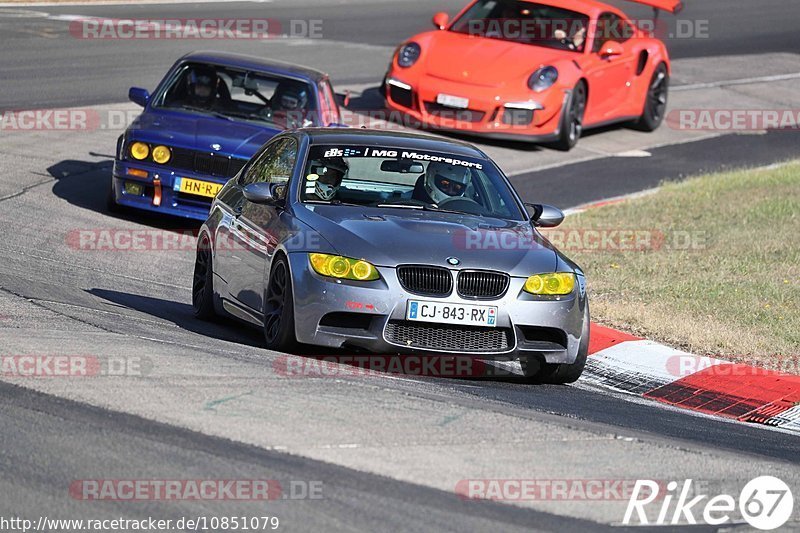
x=448 y=313
x=200 y=188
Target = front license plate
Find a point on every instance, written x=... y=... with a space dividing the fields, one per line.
x=198 y=187
x=452 y=101
x=447 y=313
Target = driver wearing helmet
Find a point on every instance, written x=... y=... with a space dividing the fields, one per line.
x=290 y=104
x=442 y=182
x=295 y=99
x=202 y=87
x=331 y=171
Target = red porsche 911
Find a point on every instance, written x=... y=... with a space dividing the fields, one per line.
x=539 y=70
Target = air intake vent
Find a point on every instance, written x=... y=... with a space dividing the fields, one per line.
x=457 y=339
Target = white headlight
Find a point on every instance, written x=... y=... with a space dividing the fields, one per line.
x=542 y=79
x=408 y=54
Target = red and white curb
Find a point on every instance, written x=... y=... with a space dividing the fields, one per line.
x=632 y=365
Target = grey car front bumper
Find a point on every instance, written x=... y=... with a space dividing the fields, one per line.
x=372 y=316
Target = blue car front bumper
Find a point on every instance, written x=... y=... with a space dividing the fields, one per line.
x=158 y=193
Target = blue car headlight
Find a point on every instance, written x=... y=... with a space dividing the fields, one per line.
x=408 y=54
x=543 y=78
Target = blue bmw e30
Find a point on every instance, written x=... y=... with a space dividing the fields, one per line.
x=207 y=117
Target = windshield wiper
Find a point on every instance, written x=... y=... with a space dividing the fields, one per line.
x=425 y=207
x=333 y=202
x=248 y=116
x=206 y=112
x=403 y=206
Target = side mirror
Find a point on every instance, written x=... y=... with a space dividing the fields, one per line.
x=440 y=20
x=610 y=49
x=139 y=96
x=260 y=193
x=546 y=216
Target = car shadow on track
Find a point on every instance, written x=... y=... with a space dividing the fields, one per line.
x=182 y=315
x=82 y=183
x=85 y=184
x=316 y=361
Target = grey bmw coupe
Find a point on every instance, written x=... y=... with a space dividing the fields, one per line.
x=392 y=243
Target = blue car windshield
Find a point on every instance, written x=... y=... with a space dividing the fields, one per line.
x=239 y=94
x=389 y=177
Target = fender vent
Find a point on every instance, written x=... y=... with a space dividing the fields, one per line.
x=643 y=56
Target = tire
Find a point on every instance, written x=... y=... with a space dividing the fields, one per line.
x=111 y=202
x=382 y=90
x=203 y=281
x=571 y=125
x=279 y=308
x=655 y=100
x=559 y=373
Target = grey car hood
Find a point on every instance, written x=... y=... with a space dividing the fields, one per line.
x=390 y=237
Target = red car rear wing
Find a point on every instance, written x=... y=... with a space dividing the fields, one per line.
x=673 y=6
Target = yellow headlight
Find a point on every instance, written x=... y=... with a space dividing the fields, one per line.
x=362 y=270
x=340 y=267
x=161 y=154
x=558 y=283
x=140 y=151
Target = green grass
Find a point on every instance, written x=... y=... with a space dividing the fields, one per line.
x=735 y=295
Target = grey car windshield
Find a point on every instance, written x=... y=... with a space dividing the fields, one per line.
x=240 y=94
x=399 y=178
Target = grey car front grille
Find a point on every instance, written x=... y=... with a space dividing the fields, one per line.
x=481 y=284
x=425 y=280
x=458 y=339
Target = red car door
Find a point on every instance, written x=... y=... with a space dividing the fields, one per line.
x=610 y=68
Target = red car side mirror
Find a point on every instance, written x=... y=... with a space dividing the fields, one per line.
x=610 y=49
x=440 y=20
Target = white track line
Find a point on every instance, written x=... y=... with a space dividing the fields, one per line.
x=739 y=81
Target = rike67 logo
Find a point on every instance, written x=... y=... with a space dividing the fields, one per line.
x=766 y=503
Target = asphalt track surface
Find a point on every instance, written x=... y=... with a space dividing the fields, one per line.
x=43 y=66
x=388 y=450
